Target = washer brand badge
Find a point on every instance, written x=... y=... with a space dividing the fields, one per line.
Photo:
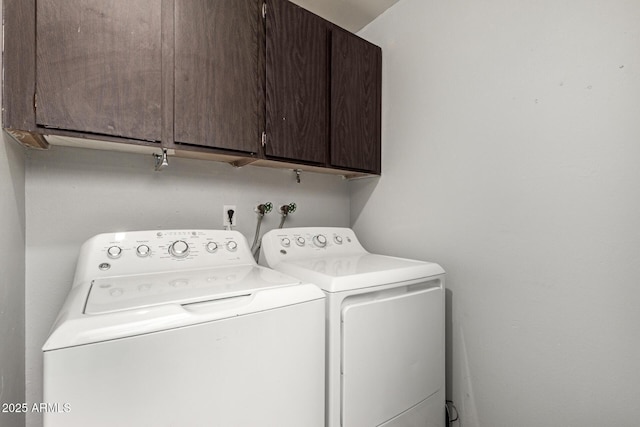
x=104 y=266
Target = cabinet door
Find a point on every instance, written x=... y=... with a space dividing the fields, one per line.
x=296 y=84
x=356 y=67
x=217 y=89
x=98 y=67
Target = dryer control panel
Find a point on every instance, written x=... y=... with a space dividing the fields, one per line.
x=153 y=251
x=289 y=244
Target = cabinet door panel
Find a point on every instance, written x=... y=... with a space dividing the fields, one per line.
x=98 y=67
x=296 y=83
x=217 y=97
x=355 y=102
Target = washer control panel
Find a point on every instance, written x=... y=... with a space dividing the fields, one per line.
x=309 y=242
x=141 y=252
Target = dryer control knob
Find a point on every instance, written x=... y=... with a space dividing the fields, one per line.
x=338 y=239
x=232 y=245
x=212 y=247
x=114 y=252
x=179 y=249
x=300 y=241
x=320 y=240
x=285 y=242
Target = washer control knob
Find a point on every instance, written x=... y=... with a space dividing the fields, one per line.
x=300 y=241
x=179 y=249
x=320 y=240
x=232 y=245
x=285 y=242
x=114 y=252
x=212 y=247
x=338 y=239
x=143 y=251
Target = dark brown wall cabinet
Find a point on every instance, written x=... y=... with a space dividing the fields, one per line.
x=323 y=91
x=218 y=99
x=98 y=67
x=297 y=82
x=355 y=102
x=219 y=77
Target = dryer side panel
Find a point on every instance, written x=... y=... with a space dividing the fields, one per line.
x=392 y=354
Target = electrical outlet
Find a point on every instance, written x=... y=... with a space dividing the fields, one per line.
x=225 y=216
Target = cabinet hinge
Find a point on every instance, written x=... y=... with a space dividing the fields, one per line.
x=264 y=10
x=35 y=101
x=264 y=139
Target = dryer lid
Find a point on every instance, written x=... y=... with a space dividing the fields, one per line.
x=348 y=272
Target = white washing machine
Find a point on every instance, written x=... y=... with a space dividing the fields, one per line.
x=385 y=327
x=182 y=328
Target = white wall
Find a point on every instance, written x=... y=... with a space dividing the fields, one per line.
x=12 y=271
x=73 y=194
x=511 y=145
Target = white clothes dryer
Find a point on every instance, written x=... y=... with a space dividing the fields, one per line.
x=182 y=328
x=385 y=327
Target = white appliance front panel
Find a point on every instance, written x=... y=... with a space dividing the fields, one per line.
x=428 y=413
x=264 y=369
x=392 y=354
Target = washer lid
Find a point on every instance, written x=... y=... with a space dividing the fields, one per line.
x=347 y=272
x=156 y=302
x=113 y=294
